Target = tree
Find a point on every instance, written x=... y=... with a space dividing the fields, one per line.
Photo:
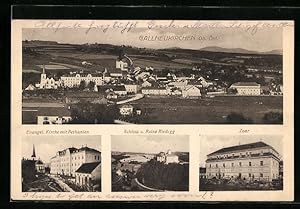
x=88 y=113
x=91 y=85
x=237 y=118
x=82 y=85
x=273 y=118
x=232 y=91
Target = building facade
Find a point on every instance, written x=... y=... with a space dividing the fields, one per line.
x=88 y=175
x=46 y=82
x=74 y=80
x=248 y=161
x=67 y=161
x=247 y=88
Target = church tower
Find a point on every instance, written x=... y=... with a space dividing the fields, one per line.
x=43 y=78
x=33 y=156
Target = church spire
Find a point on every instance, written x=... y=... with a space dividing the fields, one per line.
x=43 y=69
x=33 y=153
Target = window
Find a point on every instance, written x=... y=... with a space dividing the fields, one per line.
x=95 y=157
x=249 y=174
x=261 y=175
x=224 y=165
x=261 y=162
x=216 y=165
x=240 y=163
x=232 y=164
x=210 y=165
x=249 y=163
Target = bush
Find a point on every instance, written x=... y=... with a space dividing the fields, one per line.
x=237 y=118
x=273 y=118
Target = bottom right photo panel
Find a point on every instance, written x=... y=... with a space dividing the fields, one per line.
x=239 y=162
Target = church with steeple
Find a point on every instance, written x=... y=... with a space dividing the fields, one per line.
x=46 y=82
x=39 y=165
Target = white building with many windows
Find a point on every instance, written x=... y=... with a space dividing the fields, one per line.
x=247 y=88
x=248 y=161
x=67 y=161
x=74 y=80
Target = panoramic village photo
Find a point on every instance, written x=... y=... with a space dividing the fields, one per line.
x=150 y=163
x=152 y=76
x=61 y=164
x=236 y=163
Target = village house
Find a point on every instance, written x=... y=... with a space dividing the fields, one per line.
x=158 y=91
x=126 y=110
x=191 y=92
x=39 y=166
x=67 y=161
x=178 y=84
x=30 y=87
x=88 y=175
x=248 y=161
x=57 y=116
x=247 y=88
x=132 y=88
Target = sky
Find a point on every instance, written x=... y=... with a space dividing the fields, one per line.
x=209 y=144
x=264 y=39
x=47 y=146
x=150 y=144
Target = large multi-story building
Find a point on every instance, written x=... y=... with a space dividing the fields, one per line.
x=248 y=161
x=74 y=80
x=247 y=88
x=67 y=161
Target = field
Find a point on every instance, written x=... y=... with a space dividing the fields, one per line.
x=206 y=110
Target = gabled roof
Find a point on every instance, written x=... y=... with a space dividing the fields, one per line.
x=87 y=149
x=240 y=147
x=246 y=84
x=87 y=167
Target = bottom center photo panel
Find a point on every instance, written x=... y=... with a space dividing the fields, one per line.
x=147 y=163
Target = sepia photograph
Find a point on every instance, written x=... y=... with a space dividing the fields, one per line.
x=237 y=163
x=61 y=164
x=152 y=72
x=150 y=163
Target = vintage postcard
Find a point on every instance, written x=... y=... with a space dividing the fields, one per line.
x=181 y=110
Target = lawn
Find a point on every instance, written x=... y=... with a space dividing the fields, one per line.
x=206 y=110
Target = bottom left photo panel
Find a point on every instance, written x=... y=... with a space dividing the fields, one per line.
x=61 y=163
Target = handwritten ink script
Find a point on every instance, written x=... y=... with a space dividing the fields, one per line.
x=130 y=26
x=98 y=196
